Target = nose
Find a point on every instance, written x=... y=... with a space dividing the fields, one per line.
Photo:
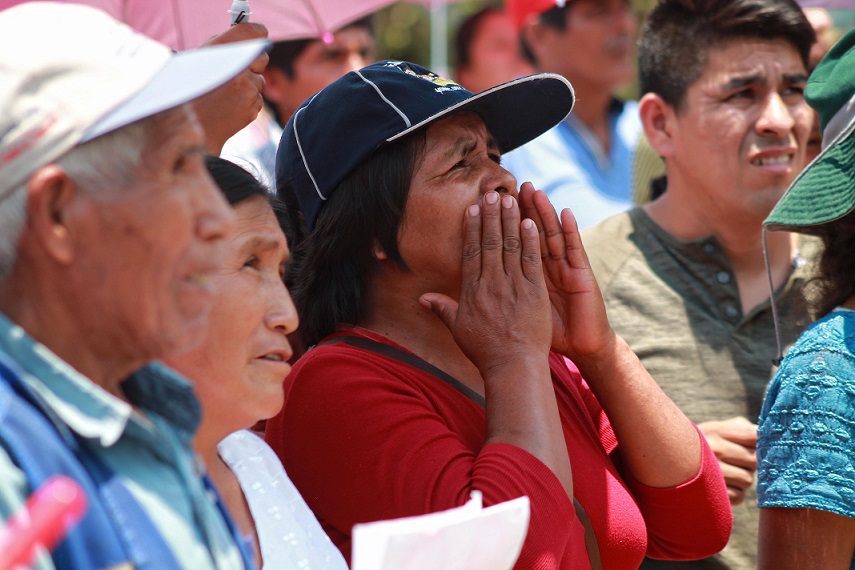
x=775 y=117
x=500 y=180
x=281 y=313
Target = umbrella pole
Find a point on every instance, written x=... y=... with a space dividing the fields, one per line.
x=439 y=37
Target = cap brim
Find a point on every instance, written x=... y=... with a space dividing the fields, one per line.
x=515 y=112
x=186 y=76
x=823 y=192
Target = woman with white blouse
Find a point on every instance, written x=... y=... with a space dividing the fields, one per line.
x=238 y=370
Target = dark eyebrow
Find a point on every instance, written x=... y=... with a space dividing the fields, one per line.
x=465 y=144
x=741 y=82
x=796 y=77
x=492 y=144
x=261 y=243
x=462 y=146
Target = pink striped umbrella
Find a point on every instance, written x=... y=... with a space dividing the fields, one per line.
x=185 y=24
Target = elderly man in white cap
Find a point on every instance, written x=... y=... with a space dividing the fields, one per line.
x=109 y=225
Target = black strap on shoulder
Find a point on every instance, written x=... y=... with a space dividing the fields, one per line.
x=408 y=358
x=590 y=537
x=421 y=364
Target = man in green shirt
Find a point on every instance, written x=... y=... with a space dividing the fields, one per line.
x=684 y=277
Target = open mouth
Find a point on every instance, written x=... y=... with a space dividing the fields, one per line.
x=273 y=357
x=773 y=160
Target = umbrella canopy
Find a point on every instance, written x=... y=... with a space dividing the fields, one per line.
x=180 y=24
x=186 y=24
x=298 y=19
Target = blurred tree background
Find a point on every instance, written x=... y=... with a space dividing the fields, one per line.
x=403 y=29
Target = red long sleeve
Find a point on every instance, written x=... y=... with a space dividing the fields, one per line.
x=367 y=438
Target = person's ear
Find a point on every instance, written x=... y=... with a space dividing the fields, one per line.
x=275 y=84
x=659 y=120
x=50 y=194
x=533 y=33
x=378 y=251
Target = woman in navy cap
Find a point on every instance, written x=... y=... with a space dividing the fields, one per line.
x=459 y=339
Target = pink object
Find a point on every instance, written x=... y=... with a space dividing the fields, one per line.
x=44 y=520
x=187 y=24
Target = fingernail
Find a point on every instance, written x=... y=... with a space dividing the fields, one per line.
x=491 y=198
x=527 y=224
x=507 y=202
x=473 y=210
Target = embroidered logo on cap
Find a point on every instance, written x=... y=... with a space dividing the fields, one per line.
x=442 y=83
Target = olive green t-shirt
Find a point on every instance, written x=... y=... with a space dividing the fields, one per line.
x=677 y=304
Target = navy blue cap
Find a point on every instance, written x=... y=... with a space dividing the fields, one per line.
x=337 y=129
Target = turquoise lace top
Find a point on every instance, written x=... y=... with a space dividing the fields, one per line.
x=806 y=438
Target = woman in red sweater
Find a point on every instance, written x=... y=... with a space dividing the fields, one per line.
x=459 y=338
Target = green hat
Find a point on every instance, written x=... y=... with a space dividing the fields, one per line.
x=825 y=189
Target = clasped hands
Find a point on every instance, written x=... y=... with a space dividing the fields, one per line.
x=523 y=267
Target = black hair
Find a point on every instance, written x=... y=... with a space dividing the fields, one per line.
x=238 y=185
x=555 y=17
x=678 y=35
x=330 y=269
x=834 y=283
x=283 y=54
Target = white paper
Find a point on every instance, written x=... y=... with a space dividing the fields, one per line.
x=466 y=538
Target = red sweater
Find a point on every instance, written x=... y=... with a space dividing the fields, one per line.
x=365 y=437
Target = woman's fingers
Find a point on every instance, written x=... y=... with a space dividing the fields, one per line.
x=559 y=233
x=551 y=232
x=574 y=250
x=532 y=265
x=527 y=207
x=471 y=262
x=511 y=242
x=443 y=307
x=492 y=240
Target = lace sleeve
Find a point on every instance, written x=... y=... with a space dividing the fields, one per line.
x=805 y=447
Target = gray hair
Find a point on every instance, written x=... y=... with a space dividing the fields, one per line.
x=13 y=215
x=108 y=161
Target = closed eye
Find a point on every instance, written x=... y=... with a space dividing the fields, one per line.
x=742 y=94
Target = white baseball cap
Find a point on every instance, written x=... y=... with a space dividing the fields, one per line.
x=71 y=73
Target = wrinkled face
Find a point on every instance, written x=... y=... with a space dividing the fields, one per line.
x=144 y=252
x=596 y=47
x=239 y=367
x=320 y=63
x=740 y=135
x=459 y=165
x=494 y=55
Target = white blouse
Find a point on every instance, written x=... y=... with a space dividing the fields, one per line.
x=289 y=534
